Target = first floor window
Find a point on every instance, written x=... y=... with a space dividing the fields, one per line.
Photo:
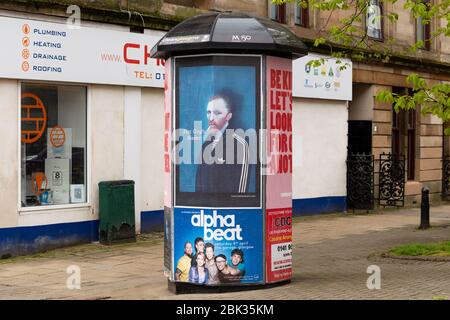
x=301 y=15
x=277 y=12
x=53 y=144
x=423 y=30
x=374 y=20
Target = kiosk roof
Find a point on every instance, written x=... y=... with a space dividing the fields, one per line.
x=229 y=32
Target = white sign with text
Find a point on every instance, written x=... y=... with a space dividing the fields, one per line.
x=331 y=80
x=36 y=50
x=281 y=256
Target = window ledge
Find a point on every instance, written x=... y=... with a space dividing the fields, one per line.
x=45 y=209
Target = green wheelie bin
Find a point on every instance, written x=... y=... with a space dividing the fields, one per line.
x=116 y=210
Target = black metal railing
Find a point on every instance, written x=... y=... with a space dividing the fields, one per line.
x=360 y=181
x=392 y=180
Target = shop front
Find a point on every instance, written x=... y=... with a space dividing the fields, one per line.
x=320 y=126
x=77 y=104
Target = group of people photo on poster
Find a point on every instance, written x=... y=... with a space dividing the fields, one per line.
x=218 y=246
x=204 y=267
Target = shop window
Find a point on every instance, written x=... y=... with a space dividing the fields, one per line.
x=374 y=20
x=423 y=30
x=53 y=144
x=301 y=15
x=277 y=12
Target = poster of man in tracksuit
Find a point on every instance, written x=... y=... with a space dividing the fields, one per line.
x=225 y=164
x=218 y=103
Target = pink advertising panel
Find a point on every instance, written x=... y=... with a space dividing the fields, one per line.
x=279 y=169
x=168 y=134
x=279 y=133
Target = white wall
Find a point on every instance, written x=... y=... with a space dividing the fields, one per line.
x=107 y=128
x=9 y=173
x=319 y=148
x=132 y=146
x=152 y=149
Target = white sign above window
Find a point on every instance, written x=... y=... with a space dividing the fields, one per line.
x=36 y=50
x=331 y=80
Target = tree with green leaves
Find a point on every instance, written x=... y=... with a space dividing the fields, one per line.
x=349 y=38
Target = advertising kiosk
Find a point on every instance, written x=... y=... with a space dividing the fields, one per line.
x=228 y=150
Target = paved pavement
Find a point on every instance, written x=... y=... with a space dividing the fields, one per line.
x=331 y=256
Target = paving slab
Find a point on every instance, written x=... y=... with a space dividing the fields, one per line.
x=331 y=255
